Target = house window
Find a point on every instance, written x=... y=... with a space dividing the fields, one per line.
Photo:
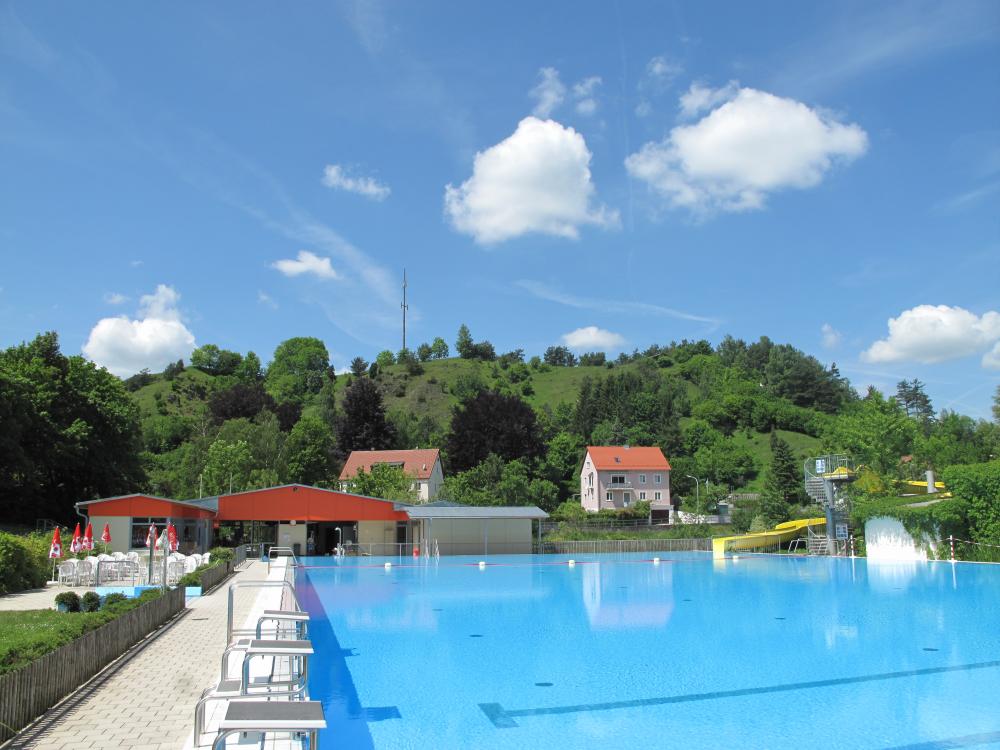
x=656 y=495
x=642 y=495
x=590 y=480
x=617 y=479
x=642 y=479
x=626 y=498
x=657 y=478
x=608 y=496
x=140 y=528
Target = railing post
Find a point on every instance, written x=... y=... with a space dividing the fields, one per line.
x=951 y=540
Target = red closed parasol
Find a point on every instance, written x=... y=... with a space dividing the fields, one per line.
x=76 y=545
x=88 y=538
x=56 y=549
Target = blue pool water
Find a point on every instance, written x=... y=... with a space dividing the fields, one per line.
x=758 y=652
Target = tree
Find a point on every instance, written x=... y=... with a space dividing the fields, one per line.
x=299 y=369
x=228 y=467
x=496 y=482
x=593 y=359
x=464 y=344
x=915 y=401
x=309 y=452
x=875 y=431
x=562 y=462
x=384 y=359
x=784 y=475
x=559 y=356
x=439 y=348
x=215 y=361
x=250 y=369
x=363 y=425
x=409 y=360
x=996 y=405
x=359 y=367
x=424 y=352
x=492 y=423
x=240 y=400
x=384 y=481
x=70 y=432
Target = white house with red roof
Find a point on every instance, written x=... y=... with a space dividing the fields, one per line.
x=423 y=465
x=618 y=476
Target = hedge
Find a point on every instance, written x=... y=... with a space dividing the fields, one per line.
x=24 y=562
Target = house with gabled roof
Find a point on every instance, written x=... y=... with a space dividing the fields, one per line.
x=423 y=465
x=618 y=476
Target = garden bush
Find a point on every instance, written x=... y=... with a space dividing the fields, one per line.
x=114 y=599
x=23 y=562
x=70 y=600
x=221 y=554
x=194 y=577
x=90 y=602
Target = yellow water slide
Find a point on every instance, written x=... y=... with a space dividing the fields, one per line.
x=783 y=532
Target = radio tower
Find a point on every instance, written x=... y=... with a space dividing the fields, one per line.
x=405 y=308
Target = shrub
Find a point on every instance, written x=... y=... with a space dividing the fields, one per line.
x=90 y=602
x=112 y=600
x=149 y=594
x=70 y=600
x=194 y=577
x=23 y=562
x=221 y=554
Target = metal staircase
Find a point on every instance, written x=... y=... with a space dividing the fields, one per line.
x=825 y=477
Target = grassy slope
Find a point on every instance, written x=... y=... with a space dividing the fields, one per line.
x=430 y=394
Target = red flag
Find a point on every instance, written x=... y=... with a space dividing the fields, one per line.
x=106 y=535
x=88 y=538
x=56 y=549
x=151 y=537
x=172 y=537
x=75 y=545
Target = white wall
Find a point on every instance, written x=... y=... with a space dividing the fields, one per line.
x=886 y=539
x=289 y=535
x=121 y=533
x=464 y=536
x=376 y=532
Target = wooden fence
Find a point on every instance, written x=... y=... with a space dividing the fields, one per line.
x=27 y=693
x=211 y=577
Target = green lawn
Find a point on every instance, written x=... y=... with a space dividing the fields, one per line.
x=759 y=445
x=26 y=635
x=573 y=533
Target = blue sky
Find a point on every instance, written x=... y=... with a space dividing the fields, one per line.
x=604 y=175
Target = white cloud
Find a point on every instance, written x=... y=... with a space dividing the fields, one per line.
x=658 y=76
x=831 y=336
x=536 y=180
x=266 y=299
x=751 y=146
x=549 y=93
x=307 y=263
x=154 y=339
x=339 y=178
x=585 y=94
x=592 y=337
x=699 y=98
x=114 y=298
x=991 y=360
x=936 y=333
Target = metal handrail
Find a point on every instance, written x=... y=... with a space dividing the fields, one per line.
x=230 y=631
x=289 y=552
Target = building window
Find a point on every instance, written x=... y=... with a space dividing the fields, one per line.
x=617 y=479
x=608 y=496
x=657 y=478
x=642 y=479
x=642 y=495
x=140 y=528
x=656 y=496
x=626 y=498
x=590 y=479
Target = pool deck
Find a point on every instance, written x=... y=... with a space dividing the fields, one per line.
x=145 y=699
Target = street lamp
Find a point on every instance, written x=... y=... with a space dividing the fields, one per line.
x=697 y=490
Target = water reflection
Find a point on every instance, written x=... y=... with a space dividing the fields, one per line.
x=615 y=598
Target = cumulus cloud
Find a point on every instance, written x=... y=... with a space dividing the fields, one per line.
x=549 y=93
x=155 y=338
x=340 y=178
x=752 y=145
x=536 y=180
x=700 y=98
x=658 y=77
x=831 y=336
x=936 y=333
x=307 y=263
x=114 y=298
x=592 y=337
x=585 y=94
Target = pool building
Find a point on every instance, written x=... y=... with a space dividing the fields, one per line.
x=315 y=520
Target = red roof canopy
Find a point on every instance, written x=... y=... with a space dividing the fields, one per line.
x=416 y=463
x=611 y=457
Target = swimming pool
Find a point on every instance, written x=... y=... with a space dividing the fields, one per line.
x=757 y=652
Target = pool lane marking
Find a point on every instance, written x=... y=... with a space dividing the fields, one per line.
x=564 y=563
x=504 y=719
x=968 y=740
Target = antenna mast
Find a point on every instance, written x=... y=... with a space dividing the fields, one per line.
x=405 y=307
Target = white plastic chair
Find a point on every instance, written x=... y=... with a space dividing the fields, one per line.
x=67 y=572
x=190 y=565
x=119 y=555
x=196 y=557
x=204 y=558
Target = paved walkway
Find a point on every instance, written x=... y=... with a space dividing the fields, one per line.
x=146 y=700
